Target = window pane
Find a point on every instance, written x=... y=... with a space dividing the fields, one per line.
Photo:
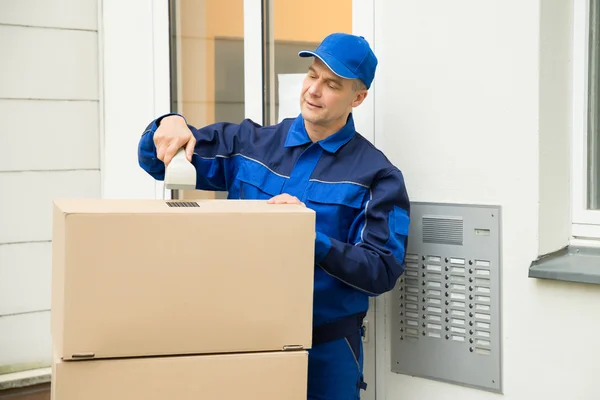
x=296 y=26
x=207 y=64
x=207 y=60
x=593 y=167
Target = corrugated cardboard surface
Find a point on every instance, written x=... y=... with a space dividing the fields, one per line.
x=137 y=277
x=260 y=376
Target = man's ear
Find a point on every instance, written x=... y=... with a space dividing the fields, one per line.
x=359 y=97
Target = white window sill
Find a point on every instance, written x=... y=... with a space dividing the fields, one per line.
x=25 y=378
x=571 y=264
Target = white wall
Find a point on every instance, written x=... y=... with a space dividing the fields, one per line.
x=135 y=82
x=556 y=122
x=79 y=82
x=470 y=103
x=460 y=113
x=49 y=136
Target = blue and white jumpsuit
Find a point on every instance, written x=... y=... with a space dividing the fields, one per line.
x=362 y=221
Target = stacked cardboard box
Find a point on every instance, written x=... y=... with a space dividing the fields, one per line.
x=204 y=300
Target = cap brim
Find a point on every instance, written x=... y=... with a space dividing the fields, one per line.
x=332 y=63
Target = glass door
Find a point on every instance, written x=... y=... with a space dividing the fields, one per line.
x=294 y=26
x=238 y=59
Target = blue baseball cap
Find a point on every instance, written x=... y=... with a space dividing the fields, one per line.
x=348 y=56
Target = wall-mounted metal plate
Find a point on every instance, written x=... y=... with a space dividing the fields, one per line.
x=445 y=309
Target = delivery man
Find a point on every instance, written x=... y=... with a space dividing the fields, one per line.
x=318 y=160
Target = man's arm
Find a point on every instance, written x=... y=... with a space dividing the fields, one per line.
x=374 y=258
x=208 y=148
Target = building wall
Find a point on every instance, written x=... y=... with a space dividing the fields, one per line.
x=49 y=136
x=473 y=104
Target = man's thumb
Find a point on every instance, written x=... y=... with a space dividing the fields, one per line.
x=189 y=149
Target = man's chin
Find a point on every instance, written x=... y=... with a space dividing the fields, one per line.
x=306 y=115
x=309 y=116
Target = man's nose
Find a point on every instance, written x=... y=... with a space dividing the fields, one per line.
x=315 y=89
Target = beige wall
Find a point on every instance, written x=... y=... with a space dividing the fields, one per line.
x=311 y=20
x=294 y=20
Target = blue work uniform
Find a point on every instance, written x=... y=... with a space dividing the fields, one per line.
x=362 y=221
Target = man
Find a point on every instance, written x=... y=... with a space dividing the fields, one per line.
x=319 y=160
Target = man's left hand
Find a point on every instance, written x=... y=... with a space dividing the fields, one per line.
x=285 y=199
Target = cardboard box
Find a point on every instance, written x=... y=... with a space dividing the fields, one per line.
x=140 y=277
x=260 y=376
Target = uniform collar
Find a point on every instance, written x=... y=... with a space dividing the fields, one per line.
x=297 y=135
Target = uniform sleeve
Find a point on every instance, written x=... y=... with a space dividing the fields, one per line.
x=215 y=144
x=373 y=259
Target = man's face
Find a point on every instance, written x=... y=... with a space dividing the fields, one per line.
x=327 y=99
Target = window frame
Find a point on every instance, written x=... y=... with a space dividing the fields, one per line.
x=585 y=222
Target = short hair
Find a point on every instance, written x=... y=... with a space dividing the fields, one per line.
x=357 y=85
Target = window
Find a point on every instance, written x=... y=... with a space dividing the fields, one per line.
x=287 y=34
x=210 y=63
x=586 y=121
x=593 y=112
x=208 y=59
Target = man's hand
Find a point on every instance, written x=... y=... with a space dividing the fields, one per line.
x=285 y=198
x=171 y=135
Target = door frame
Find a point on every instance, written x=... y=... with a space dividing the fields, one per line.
x=134 y=70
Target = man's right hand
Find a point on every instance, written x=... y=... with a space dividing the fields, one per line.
x=171 y=135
